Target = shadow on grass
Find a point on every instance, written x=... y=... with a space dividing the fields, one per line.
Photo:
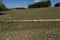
x=3 y=13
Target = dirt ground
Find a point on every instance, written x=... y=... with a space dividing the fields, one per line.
x=32 y=34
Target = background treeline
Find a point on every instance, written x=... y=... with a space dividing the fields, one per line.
x=34 y=5
x=20 y=8
x=40 y=4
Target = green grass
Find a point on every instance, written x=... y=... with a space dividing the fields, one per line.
x=39 y=13
x=28 y=26
x=33 y=30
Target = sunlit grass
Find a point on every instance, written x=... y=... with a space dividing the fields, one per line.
x=28 y=26
x=40 y=13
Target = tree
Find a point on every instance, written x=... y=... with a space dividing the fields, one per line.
x=49 y=3
x=57 y=5
x=2 y=6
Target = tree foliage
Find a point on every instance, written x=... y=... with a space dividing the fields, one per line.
x=57 y=4
x=2 y=7
x=40 y=4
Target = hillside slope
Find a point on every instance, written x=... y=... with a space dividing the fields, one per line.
x=39 y=13
x=31 y=30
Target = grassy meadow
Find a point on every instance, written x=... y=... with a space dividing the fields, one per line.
x=26 y=14
x=38 y=13
x=28 y=26
x=33 y=30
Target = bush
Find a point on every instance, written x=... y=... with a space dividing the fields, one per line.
x=57 y=5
